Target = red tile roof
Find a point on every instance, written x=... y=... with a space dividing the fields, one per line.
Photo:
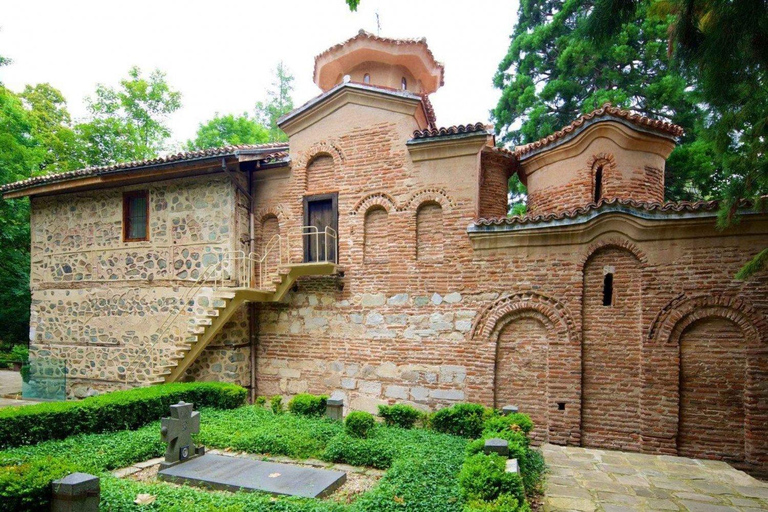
x=280 y=151
x=611 y=205
x=606 y=110
x=429 y=133
x=362 y=34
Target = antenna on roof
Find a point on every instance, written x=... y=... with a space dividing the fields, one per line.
x=378 y=24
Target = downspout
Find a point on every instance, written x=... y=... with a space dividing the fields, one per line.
x=253 y=331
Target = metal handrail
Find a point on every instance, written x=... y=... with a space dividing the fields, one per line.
x=239 y=266
x=203 y=279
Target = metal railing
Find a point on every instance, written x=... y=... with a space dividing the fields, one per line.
x=304 y=244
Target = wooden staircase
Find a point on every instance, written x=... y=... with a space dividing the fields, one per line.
x=224 y=302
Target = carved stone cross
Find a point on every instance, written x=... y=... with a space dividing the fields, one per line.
x=177 y=432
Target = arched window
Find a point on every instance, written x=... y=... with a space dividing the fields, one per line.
x=598 y=183
x=404 y=84
x=367 y=78
x=429 y=232
x=376 y=239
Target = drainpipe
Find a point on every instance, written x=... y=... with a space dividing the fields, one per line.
x=253 y=331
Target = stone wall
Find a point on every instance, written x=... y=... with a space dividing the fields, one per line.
x=99 y=303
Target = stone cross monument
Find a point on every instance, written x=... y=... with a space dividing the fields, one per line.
x=177 y=432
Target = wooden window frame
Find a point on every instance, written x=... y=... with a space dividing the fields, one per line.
x=127 y=196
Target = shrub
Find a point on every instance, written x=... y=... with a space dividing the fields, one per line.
x=483 y=477
x=504 y=503
x=308 y=405
x=261 y=401
x=399 y=415
x=464 y=420
x=516 y=450
x=517 y=422
x=276 y=404
x=359 y=424
x=120 y=410
x=28 y=486
x=376 y=453
x=20 y=353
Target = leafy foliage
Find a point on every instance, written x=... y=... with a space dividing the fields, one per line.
x=130 y=409
x=552 y=73
x=484 y=477
x=277 y=104
x=308 y=405
x=400 y=415
x=359 y=424
x=276 y=404
x=228 y=130
x=464 y=420
x=128 y=122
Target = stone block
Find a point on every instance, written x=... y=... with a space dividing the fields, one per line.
x=509 y=409
x=396 y=392
x=349 y=383
x=370 y=387
x=497 y=446
x=373 y=299
x=77 y=492
x=447 y=394
x=420 y=394
x=512 y=466
x=452 y=298
x=334 y=408
x=400 y=299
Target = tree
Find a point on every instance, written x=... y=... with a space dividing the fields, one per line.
x=20 y=157
x=228 y=130
x=51 y=127
x=278 y=103
x=552 y=74
x=725 y=45
x=128 y=123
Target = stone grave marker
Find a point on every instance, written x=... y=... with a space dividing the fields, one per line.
x=177 y=431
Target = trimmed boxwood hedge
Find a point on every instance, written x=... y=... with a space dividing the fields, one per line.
x=120 y=410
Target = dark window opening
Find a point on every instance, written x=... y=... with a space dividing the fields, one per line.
x=599 y=184
x=404 y=83
x=560 y=406
x=367 y=79
x=608 y=290
x=320 y=212
x=136 y=216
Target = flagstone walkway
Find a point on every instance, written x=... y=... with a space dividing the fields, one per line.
x=584 y=479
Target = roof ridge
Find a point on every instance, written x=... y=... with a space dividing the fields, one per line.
x=443 y=131
x=607 y=109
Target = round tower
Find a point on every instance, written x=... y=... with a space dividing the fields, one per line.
x=397 y=64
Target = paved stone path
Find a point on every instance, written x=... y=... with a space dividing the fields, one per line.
x=586 y=479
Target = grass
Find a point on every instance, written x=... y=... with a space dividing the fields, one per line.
x=422 y=465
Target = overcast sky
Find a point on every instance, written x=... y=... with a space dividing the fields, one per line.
x=220 y=54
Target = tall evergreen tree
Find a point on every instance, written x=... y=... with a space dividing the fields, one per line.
x=725 y=45
x=552 y=73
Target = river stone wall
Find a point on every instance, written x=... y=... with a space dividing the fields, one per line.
x=98 y=303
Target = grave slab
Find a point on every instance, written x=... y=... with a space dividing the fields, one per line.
x=221 y=472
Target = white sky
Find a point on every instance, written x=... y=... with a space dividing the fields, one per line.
x=221 y=54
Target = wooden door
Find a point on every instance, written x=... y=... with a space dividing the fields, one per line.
x=320 y=212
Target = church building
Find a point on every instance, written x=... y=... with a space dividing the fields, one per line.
x=371 y=257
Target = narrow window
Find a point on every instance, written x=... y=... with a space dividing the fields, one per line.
x=367 y=79
x=136 y=216
x=403 y=84
x=599 y=184
x=608 y=289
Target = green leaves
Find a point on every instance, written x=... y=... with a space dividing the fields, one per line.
x=278 y=103
x=229 y=130
x=128 y=122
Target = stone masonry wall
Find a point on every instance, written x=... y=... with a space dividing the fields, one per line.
x=98 y=303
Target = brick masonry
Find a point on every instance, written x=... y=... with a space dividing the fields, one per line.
x=426 y=313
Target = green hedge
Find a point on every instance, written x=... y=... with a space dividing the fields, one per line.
x=308 y=405
x=465 y=420
x=120 y=410
x=400 y=415
x=359 y=424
